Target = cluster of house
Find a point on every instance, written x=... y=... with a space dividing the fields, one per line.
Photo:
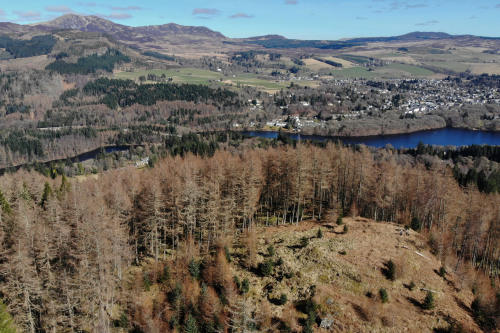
x=426 y=95
x=296 y=123
x=142 y=163
x=433 y=94
x=420 y=96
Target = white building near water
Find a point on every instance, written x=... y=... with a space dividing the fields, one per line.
x=141 y=163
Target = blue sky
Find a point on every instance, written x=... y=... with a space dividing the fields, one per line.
x=301 y=19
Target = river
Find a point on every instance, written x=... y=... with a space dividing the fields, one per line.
x=78 y=158
x=440 y=137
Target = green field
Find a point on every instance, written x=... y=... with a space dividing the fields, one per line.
x=393 y=70
x=355 y=72
x=254 y=81
x=457 y=67
x=388 y=55
x=199 y=76
x=411 y=69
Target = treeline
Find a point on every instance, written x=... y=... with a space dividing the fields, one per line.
x=137 y=135
x=357 y=59
x=158 y=55
x=14 y=108
x=31 y=145
x=21 y=87
x=246 y=55
x=90 y=64
x=38 y=45
x=294 y=43
x=68 y=249
x=126 y=93
x=470 y=80
x=58 y=119
x=190 y=143
x=484 y=183
x=329 y=62
x=19 y=142
x=482 y=177
x=490 y=152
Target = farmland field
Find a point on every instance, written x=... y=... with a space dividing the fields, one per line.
x=345 y=63
x=316 y=65
x=452 y=66
x=258 y=82
x=198 y=76
x=355 y=72
x=389 y=55
x=413 y=70
x=180 y=75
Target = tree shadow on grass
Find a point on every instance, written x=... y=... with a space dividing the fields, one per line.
x=360 y=312
x=385 y=271
x=462 y=305
x=413 y=301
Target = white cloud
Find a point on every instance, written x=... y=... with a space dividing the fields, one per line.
x=417 y=5
x=127 y=8
x=116 y=16
x=206 y=11
x=87 y=4
x=427 y=23
x=28 y=14
x=240 y=15
x=58 y=9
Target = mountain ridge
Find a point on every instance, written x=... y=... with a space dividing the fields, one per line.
x=93 y=23
x=180 y=39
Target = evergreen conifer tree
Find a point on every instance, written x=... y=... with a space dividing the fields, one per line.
x=429 y=301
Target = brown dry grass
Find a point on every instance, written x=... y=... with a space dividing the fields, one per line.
x=39 y=62
x=67 y=86
x=345 y=63
x=316 y=65
x=488 y=68
x=340 y=282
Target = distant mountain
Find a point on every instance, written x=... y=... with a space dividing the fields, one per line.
x=7 y=28
x=427 y=35
x=175 y=38
x=266 y=37
x=145 y=34
x=176 y=29
x=282 y=42
x=416 y=36
x=82 y=23
x=412 y=36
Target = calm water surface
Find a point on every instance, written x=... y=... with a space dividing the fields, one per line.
x=441 y=137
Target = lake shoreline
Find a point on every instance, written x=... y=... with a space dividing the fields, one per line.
x=402 y=140
x=446 y=136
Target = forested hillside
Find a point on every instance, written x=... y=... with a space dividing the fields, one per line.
x=89 y=64
x=16 y=48
x=153 y=250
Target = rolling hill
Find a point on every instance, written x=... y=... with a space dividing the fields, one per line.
x=177 y=38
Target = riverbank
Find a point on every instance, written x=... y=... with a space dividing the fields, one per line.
x=439 y=136
x=91 y=154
